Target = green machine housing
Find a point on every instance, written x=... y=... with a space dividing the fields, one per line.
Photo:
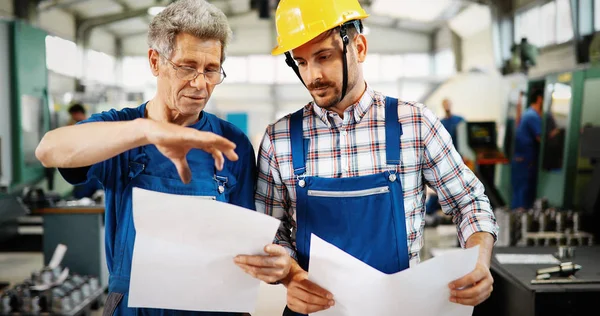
x=24 y=106
x=571 y=103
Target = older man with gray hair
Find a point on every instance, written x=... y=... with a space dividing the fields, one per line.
x=167 y=144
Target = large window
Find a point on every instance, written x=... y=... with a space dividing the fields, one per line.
x=564 y=25
x=545 y=25
x=372 y=68
x=527 y=25
x=417 y=65
x=445 y=64
x=62 y=56
x=261 y=69
x=597 y=15
x=556 y=125
x=136 y=72
x=236 y=68
x=506 y=31
x=100 y=67
x=393 y=67
x=284 y=73
x=267 y=69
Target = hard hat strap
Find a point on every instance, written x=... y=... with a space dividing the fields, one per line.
x=345 y=41
x=290 y=62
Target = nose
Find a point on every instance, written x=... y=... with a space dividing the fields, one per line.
x=199 y=82
x=312 y=73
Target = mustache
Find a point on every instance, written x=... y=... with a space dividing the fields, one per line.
x=319 y=84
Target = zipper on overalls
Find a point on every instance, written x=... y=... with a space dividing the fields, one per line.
x=357 y=193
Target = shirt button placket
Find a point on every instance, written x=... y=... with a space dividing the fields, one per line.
x=345 y=151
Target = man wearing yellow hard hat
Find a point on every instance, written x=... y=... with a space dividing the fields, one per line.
x=351 y=166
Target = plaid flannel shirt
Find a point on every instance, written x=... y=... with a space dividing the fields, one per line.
x=355 y=146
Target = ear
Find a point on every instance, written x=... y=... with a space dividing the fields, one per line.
x=360 y=41
x=154 y=60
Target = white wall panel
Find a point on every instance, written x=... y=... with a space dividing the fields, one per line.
x=6 y=8
x=59 y=23
x=102 y=41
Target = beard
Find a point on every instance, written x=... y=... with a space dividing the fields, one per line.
x=327 y=94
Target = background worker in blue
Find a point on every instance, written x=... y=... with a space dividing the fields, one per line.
x=168 y=144
x=451 y=120
x=524 y=164
x=352 y=166
x=77 y=113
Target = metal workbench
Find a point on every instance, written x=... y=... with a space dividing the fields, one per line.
x=515 y=295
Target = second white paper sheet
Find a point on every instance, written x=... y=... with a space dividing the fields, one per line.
x=359 y=289
x=184 y=250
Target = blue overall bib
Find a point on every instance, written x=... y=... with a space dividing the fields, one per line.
x=363 y=216
x=148 y=170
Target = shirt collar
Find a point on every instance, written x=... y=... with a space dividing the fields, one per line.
x=356 y=111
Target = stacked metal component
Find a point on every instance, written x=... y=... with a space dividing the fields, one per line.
x=65 y=298
x=541 y=226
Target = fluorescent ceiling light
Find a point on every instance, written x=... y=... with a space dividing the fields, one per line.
x=155 y=10
x=472 y=20
x=422 y=11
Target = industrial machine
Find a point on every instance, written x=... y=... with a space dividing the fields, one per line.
x=515 y=85
x=24 y=112
x=568 y=152
x=543 y=226
x=477 y=143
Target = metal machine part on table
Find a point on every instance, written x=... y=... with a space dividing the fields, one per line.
x=541 y=226
x=69 y=297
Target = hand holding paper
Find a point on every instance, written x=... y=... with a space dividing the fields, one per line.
x=359 y=289
x=271 y=267
x=303 y=295
x=184 y=250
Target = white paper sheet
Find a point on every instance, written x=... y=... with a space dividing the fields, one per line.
x=57 y=256
x=359 y=289
x=514 y=258
x=184 y=250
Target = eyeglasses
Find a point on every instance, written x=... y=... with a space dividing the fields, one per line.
x=189 y=73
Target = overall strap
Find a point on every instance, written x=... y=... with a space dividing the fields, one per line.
x=215 y=124
x=296 y=136
x=393 y=131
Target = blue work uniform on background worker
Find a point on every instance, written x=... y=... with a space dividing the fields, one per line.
x=526 y=152
x=78 y=113
x=168 y=144
x=451 y=121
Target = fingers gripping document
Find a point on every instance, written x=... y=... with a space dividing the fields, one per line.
x=184 y=249
x=359 y=289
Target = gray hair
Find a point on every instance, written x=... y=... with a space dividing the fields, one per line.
x=195 y=17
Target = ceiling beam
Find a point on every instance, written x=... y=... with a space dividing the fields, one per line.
x=88 y=24
x=132 y=34
x=56 y=4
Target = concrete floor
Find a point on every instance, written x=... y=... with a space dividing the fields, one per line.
x=15 y=267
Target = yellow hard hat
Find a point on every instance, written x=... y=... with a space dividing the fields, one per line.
x=299 y=21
